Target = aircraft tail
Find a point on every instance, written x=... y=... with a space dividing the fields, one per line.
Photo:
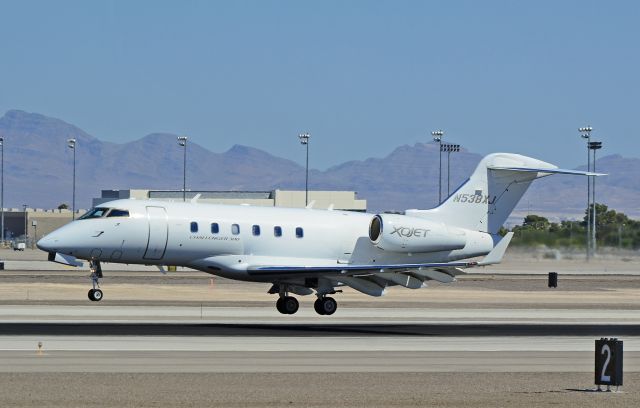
x=485 y=201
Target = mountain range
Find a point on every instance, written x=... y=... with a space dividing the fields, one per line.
x=38 y=169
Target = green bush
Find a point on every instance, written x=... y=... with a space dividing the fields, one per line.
x=613 y=229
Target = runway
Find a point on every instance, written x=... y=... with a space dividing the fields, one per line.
x=155 y=340
x=187 y=340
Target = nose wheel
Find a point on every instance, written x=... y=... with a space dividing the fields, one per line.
x=95 y=294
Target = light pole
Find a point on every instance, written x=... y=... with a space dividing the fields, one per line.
x=182 y=141
x=26 y=232
x=2 y=189
x=448 y=148
x=437 y=137
x=72 y=145
x=594 y=146
x=304 y=140
x=34 y=224
x=585 y=133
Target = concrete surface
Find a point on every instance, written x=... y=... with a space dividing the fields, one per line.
x=189 y=339
x=311 y=390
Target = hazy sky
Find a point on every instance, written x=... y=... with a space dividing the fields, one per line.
x=362 y=76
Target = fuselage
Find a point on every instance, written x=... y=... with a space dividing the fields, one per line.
x=227 y=240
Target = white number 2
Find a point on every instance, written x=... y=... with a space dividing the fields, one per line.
x=605 y=378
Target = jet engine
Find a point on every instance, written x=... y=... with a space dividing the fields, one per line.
x=400 y=233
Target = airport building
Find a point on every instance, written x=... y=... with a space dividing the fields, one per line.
x=339 y=200
x=35 y=222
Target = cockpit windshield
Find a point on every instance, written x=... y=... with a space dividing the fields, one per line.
x=97 y=212
x=118 y=213
x=101 y=212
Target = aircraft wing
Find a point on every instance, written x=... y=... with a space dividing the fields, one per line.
x=450 y=268
x=371 y=279
x=350 y=269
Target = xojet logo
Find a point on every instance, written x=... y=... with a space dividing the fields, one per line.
x=410 y=232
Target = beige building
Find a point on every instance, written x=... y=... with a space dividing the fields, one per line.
x=38 y=222
x=339 y=200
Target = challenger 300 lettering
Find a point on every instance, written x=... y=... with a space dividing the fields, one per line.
x=308 y=251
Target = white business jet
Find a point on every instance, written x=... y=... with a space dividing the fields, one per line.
x=307 y=251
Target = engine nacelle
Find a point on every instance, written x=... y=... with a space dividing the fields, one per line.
x=399 y=233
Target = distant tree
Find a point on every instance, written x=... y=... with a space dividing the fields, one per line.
x=63 y=206
x=604 y=216
x=614 y=229
x=536 y=222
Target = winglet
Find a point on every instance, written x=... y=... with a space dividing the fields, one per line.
x=311 y=204
x=497 y=253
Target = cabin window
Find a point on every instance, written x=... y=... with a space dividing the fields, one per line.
x=256 y=230
x=277 y=231
x=215 y=228
x=235 y=229
x=194 y=227
x=118 y=213
x=299 y=232
x=95 y=213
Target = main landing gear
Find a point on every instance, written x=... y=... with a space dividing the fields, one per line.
x=95 y=294
x=287 y=305
x=325 y=305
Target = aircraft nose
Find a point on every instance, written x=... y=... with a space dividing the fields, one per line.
x=52 y=242
x=45 y=243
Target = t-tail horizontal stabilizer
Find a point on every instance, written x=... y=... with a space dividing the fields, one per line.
x=547 y=171
x=497 y=253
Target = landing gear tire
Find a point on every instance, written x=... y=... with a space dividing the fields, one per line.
x=95 y=295
x=317 y=306
x=287 y=305
x=325 y=306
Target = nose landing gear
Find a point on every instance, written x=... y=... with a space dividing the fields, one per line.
x=95 y=294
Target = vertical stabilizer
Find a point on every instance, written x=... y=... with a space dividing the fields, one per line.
x=485 y=201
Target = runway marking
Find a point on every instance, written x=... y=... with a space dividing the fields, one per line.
x=306 y=361
x=301 y=344
x=307 y=315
